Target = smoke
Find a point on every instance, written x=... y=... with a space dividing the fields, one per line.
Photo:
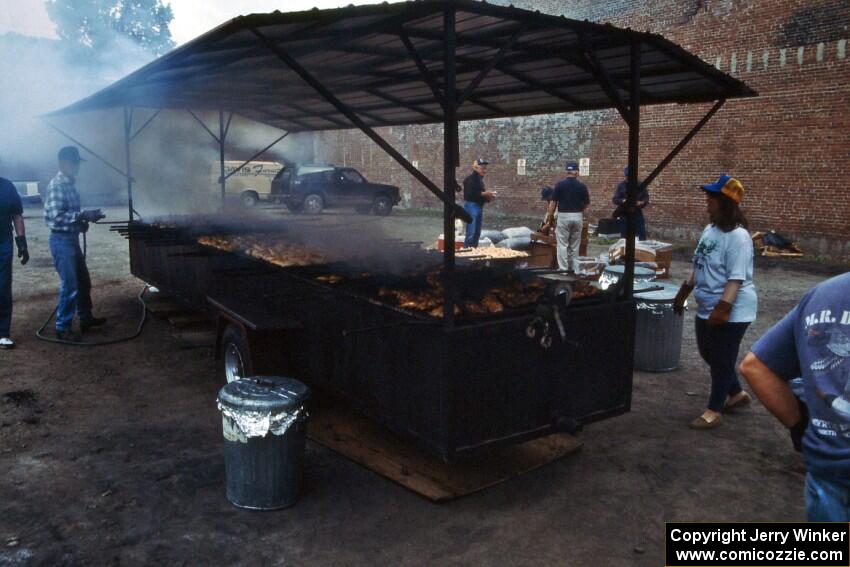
x=172 y=160
x=42 y=75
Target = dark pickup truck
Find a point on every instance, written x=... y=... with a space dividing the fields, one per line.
x=312 y=188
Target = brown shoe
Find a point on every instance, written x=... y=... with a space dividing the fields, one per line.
x=702 y=423
x=739 y=400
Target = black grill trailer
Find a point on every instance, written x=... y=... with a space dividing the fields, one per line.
x=453 y=390
x=454 y=387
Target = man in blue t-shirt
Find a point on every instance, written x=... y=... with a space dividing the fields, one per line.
x=570 y=198
x=11 y=213
x=812 y=341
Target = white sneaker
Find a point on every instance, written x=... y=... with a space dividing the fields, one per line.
x=6 y=342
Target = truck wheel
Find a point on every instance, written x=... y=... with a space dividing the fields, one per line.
x=313 y=204
x=235 y=354
x=249 y=199
x=383 y=205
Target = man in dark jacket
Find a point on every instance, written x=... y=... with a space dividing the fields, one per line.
x=474 y=197
x=570 y=198
x=11 y=213
x=620 y=213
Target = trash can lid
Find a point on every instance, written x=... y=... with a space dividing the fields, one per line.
x=665 y=295
x=267 y=394
x=640 y=272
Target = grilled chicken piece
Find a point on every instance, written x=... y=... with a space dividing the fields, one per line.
x=492 y=304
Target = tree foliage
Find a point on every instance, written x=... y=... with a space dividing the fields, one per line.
x=97 y=25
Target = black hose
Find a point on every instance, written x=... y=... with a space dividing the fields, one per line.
x=138 y=332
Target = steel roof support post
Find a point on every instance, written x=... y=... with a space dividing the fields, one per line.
x=222 y=133
x=634 y=151
x=255 y=156
x=128 y=128
x=93 y=153
x=450 y=162
x=680 y=146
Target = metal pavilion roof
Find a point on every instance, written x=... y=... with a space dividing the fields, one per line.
x=385 y=64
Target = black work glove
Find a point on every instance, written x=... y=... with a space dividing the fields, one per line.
x=23 y=252
x=799 y=429
x=92 y=215
x=679 y=302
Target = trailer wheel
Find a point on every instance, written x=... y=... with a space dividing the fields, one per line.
x=235 y=354
x=249 y=199
x=383 y=205
x=313 y=204
x=292 y=206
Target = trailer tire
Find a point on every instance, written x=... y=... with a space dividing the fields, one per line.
x=249 y=199
x=293 y=207
x=235 y=359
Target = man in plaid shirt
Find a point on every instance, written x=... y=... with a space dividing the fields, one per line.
x=65 y=220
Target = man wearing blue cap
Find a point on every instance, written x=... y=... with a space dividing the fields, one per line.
x=474 y=197
x=66 y=221
x=641 y=201
x=570 y=199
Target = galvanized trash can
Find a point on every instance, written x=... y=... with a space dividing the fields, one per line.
x=264 y=423
x=658 y=330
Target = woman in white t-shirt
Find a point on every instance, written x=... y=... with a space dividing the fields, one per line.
x=722 y=281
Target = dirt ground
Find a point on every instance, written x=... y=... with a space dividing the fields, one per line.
x=113 y=455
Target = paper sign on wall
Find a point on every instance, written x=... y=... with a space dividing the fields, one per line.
x=584 y=166
x=520 y=166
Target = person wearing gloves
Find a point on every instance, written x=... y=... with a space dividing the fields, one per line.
x=570 y=198
x=641 y=202
x=813 y=342
x=11 y=213
x=66 y=221
x=474 y=197
x=722 y=282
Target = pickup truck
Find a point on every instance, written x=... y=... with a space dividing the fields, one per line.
x=312 y=188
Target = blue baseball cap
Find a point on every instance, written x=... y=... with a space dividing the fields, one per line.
x=481 y=161
x=728 y=186
x=571 y=166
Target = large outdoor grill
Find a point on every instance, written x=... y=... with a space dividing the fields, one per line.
x=453 y=390
x=462 y=379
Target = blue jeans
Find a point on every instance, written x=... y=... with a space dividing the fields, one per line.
x=826 y=501
x=75 y=287
x=5 y=287
x=718 y=347
x=473 y=229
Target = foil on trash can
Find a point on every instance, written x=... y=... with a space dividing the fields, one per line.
x=258 y=423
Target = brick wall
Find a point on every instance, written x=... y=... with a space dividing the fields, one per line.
x=790 y=146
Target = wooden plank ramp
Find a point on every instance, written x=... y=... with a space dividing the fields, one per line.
x=369 y=444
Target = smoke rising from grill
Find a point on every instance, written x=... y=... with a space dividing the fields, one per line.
x=174 y=161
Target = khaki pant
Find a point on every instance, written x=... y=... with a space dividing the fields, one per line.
x=568 y=234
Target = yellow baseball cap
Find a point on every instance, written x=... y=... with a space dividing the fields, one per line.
x=728 y=186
